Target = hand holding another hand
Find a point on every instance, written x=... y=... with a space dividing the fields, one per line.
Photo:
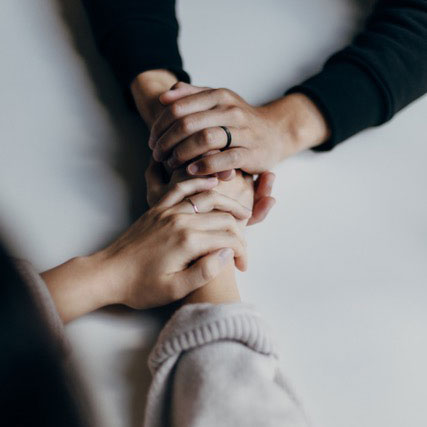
x=190 y=126
x=166 y=254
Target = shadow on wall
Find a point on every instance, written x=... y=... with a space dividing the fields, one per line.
x=132 y=153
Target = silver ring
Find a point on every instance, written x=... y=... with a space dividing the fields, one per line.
x=195 y=208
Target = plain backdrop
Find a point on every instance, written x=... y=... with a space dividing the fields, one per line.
x=339 y=268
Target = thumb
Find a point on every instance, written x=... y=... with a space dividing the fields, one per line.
x=206 y=269
x=177 y=91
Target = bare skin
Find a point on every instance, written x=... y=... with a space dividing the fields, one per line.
x=165 y=255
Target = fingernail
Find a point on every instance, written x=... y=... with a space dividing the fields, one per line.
x=151 y=142
x=156 y=155
x=225 y=255
x=193 y=169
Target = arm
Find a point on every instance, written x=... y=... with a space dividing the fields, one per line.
x=166 y=254
x=215 y=362
x=136 y=36
x=139 y=40
x=382 y=71
x=364 y=85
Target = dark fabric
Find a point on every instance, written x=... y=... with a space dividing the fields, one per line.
x=364 y=85
x=34 y=388
x=136 y=36
x=382 y=71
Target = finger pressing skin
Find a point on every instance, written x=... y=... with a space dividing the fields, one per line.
x=212 y=221
x=178 y=90
x=210 y=200
x=234 y=158
x=261 y=209
x=201 y=100
x=184 y=100
x=212 y=240
x=264 y=185
x=184 y=189
x=204 y=270
x=202 y=142
x=226 y=175
x=193 y=123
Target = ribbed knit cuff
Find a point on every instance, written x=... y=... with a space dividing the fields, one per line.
x=349 y=97
x=195 y=325
x=130 y=50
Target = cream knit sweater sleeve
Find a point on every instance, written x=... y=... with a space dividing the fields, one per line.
x=212 y=366
x=215 y=365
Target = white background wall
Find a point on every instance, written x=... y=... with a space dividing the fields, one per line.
x=339 y=268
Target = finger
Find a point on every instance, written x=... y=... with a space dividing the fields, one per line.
x=261 y=209
x=205 y=269
x=210 y=200
x=212 y=221
x=226 y=175
x=178 y=90
x=184 y=189
x=234 y=158
x=186 y=102
x=264 y=185
x=212 y=240
x=202 y=142
x=191 y=124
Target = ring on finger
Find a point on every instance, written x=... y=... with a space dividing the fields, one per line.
x=229 y=136
x=195 y=208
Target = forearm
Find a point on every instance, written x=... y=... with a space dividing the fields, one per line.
x=77 y=287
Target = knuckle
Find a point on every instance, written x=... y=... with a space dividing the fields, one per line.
x=177 y=221
x=187 y=239
x=186 y=125
x=225 y=95
x=179 y=154
x=207 y=137
x=237 y=113
x=175 y=109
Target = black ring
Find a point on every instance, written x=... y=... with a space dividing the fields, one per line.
x=229 y=138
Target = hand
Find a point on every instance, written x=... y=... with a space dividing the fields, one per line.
x=159 y=182
x=261 y=136
x=169 y=252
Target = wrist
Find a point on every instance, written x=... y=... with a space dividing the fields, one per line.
x=222 y=290
x=300 y=123
x=78 y=287
x=146 y=89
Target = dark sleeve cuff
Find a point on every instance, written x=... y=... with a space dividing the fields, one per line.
x=130 y=50
x=349 y=98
